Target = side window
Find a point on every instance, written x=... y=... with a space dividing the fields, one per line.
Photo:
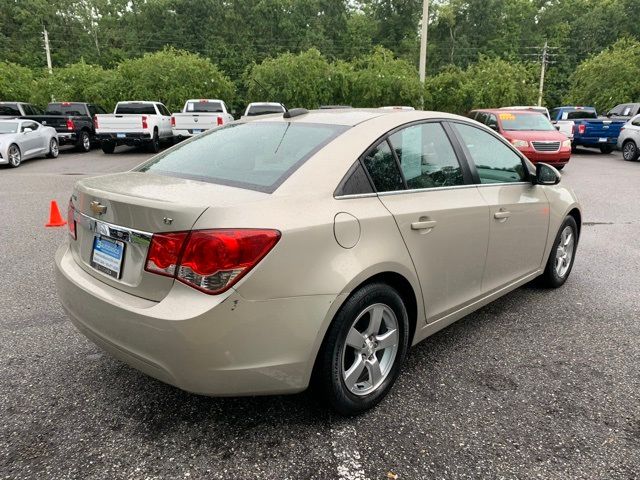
x=163 y=110
x=554 y=114
x=481 y=117
x=636 y=122
x=355 y=182
x=492 y=121
x=494 y=161
x=27 y=109
x=383 y=169
x=26 y=125
x=100 y=109
x=426 y=156
x=92 y=110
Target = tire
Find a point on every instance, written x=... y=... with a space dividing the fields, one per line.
x=107 y=146
x=154 y=145
x=606 y=149
x=15 y=156
x=559 y=167
x=560 y=261
x=339 y=355
x=83 y=144
x=630 y=151
x=574 y=148
x=54 y=149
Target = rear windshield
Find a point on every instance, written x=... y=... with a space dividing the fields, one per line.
x=65 y=109
x=264 y=109
x=9 y=109
x=577 y=114
x=525 y=121
x=135 y=108
x=256 y=156
x=212 y=107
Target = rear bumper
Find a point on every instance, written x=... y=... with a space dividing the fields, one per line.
x=186 y=133
x=212 y=345
x=130 y=139
x=594 y=141
x=64 y=138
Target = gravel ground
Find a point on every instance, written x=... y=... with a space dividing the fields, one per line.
x=539 y=384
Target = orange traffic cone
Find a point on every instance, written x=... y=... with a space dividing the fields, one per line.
x=55 y=219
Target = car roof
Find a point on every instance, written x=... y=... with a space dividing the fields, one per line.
x=353 y=116
x=503 y=110
x=275 y=104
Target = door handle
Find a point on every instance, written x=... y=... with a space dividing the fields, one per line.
x=423 y=225
x=502 y=214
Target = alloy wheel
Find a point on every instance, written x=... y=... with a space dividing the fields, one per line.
x=370 y=349
x=14 y=155
x=86 y=142
x=629 y=151
x=564 y=252
x=53 y=148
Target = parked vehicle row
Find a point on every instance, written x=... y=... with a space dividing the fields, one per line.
x=198 y=116
x=588 y=129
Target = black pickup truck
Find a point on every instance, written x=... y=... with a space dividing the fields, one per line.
x=73 y=121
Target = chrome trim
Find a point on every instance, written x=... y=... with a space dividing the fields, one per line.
x=502 y=184
x=355 y=195
x=124 y=234
x=423 y=190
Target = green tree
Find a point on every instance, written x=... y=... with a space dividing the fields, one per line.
x=16 y=82
x=173 y=76
x=79 y=82
x=609 y=78
x=380 y=79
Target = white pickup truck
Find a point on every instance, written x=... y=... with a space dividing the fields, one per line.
x=134 y=123
x=199 y=115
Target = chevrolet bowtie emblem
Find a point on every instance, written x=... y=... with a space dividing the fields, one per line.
x=97 y=208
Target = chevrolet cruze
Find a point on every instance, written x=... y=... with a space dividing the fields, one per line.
x=308 y=247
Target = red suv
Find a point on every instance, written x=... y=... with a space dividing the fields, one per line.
x=530 y=132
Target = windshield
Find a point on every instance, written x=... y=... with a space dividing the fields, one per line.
x=8 y=127
x=204 y=106
x=135 y=108
x=65 y=109
x=525 y=121
x=264 y=109
x=257 y=156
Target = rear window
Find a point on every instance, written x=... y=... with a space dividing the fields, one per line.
x=264 y=110
x=135 y=108
x=65 y=109
x=577 y=114
x=256 y=156
x=9 y=109
x=203 y=107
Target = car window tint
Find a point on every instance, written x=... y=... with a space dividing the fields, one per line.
x=135 y=108
x=481 y=117
x=494 y=161
x=636 y=122
x=383 y=169
x=256 y=156
x=426 y=156
x=492 y=121
x=356 y=182
x=9 y=109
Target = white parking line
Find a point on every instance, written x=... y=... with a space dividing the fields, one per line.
x=342 y=440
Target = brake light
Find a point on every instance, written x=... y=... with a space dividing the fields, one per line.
x=582 y=129
x=144 y=122
x=71 y=220
x=219 y=120
x=95 y=122
x=173 y=121
x=211 y=261
x=70 y=124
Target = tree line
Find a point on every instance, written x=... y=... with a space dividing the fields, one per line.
x=312 y=52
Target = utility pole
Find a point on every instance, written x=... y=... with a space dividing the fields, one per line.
x=423 y=44
x=47 y=51
x=545 y=59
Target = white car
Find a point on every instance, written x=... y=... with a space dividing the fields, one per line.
x=263 y=108
x=198 y=116
x=24 y=139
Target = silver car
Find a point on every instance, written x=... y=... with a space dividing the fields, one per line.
x=21 y=140
x=629 y=139
x=310 y=246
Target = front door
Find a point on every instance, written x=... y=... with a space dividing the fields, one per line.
x=518 y=210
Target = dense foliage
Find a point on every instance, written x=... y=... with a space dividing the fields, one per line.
x=236 y=39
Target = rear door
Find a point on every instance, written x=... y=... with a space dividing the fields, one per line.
x=518 y=210
x=441 y=215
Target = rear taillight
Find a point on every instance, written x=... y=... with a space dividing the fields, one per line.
x=144 y=122
x=70 y=124
x=95 y=122
x=71 y=220
x=209 y=260
x=219 y=120
x=582 y=129
x=173 y=121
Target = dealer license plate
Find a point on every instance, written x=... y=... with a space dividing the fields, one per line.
x=197 y=131
x=602 y=140
x=121 y=135
x=107 y=256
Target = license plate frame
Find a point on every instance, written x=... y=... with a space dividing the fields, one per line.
x=121 y=135
x=197 y=130
x=110 y=256
x=602 y=140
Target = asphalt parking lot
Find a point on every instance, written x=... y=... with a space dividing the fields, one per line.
x=539 y=384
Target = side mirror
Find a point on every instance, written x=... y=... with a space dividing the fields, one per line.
x=27 y=130
x=546 y=175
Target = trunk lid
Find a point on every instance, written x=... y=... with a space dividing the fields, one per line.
x=602 y=128
x=112 y=122
x=138 y=205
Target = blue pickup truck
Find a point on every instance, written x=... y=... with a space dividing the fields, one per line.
x=585 y=129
